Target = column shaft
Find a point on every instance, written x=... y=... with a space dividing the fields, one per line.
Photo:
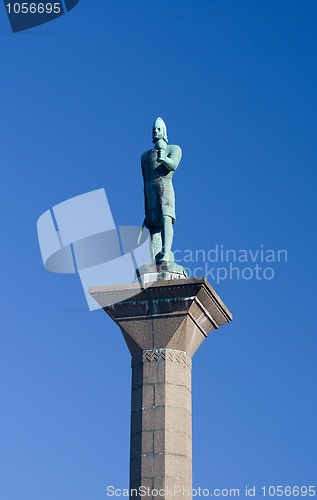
x=161 y=433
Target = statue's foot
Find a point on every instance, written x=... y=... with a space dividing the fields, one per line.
x=164 y=256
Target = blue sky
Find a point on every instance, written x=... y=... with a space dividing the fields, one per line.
x=236 y=85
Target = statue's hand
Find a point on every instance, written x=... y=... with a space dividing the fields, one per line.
x=161 y=155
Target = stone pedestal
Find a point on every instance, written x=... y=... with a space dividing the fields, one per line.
x=163 y=326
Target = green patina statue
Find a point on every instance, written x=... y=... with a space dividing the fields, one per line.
x=158 y=167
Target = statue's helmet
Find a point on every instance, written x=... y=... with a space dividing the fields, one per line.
x=159 y=130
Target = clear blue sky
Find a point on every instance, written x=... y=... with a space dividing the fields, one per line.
x=236 y=83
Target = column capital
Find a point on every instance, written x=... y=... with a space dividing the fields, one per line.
x=176 y=314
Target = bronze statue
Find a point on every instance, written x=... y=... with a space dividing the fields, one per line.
x=158 y=167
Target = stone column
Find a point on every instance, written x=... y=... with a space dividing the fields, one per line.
x=163 y=326
x=161 y=433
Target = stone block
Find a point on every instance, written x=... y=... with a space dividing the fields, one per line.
x=136 y=422
x=177 y=420
x=136 y=398
x=159 y=441
x=137 y=376
x=148 y=396
x=175 y=443
x=178 y=373
x=178 y=466
x=178 y=488
x=135 y=445
x=159 y=484
x=153 y=466
x=135 y=471
x=153 y=418
x=159 y=395
x=177 y=396
x=153 y=372
x=147 y=442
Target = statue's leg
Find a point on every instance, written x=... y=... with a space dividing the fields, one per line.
x=167 y=239
x=156 y=240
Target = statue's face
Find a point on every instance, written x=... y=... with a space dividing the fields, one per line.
x=157 y=132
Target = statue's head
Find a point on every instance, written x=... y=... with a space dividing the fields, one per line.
x=159 y=130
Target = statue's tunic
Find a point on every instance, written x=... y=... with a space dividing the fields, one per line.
x=159 y=194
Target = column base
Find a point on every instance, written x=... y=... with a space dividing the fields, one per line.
x=160 y=272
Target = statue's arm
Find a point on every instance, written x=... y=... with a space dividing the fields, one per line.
x=144 y=179
x=173 y=158
x=142 y=164
x=143 y=157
